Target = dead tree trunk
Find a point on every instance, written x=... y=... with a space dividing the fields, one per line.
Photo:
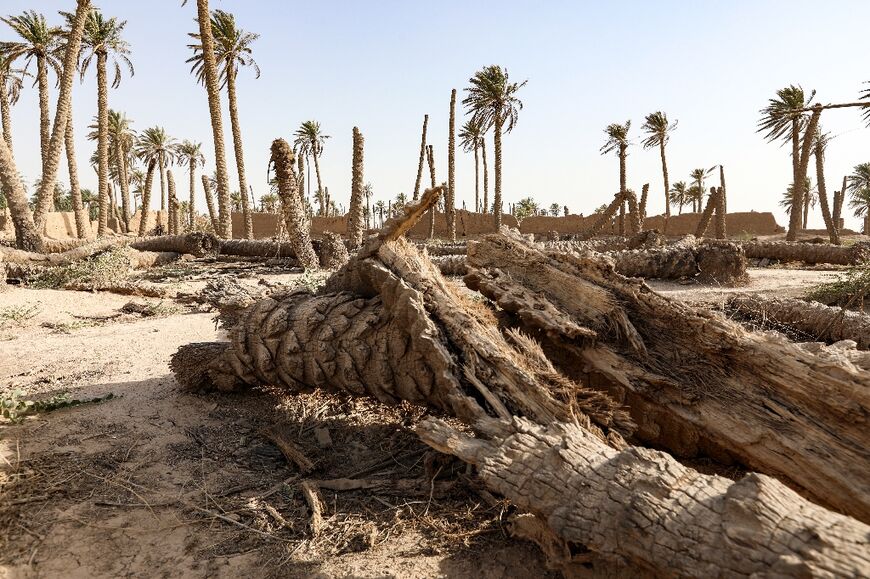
x=635 y=221
x=295 y=217
x=818 y=321
x=809 y=253
x=707 y=214
x=605 y=218
x=720 y=218
x=695 y=381
x=644 y=193
x=721 y=263
x=209 y=202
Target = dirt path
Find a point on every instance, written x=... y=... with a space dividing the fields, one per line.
x=133 y=486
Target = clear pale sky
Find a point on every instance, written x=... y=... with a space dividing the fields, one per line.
x=381 y=65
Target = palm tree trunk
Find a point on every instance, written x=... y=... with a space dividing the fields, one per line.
x=450 y=199
x=53 y=144
x=162 y=168
x=146 y=198
x=121 y=159
x=720 y=215
x=295 y=218
x=83 y=224
x=485 y=207
x=355 y=229
x=102 y=144
x=800 y=177
x=191 y=210
x=5 y=112
x=44 y=113
x=206 y=187
x=27 y=236
x=606 y=217
x=476 y=180
x=237 y=146
x=667 y=186
x=707 y=213
x=214 y=107
x=300 y=177
x=722 y=186
x=422 y=156
x=174 y=218
x=430 y=156
x=497 y=194
x=839 y=196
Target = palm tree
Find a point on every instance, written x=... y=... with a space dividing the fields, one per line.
x=368 y=191
x=555 y=209
x=698 y=176
x=492 y=102
x=859 y=193
x=38 y=42
x=617 y=140
x=355 y=229
x=309 y=142
x=471 y=139
x=121 y=141
x=450 y=198
x=212 y=88
x=232 y=47
x=679 y=195
x=782 y=120
x=190 y=155
x=659 y=129
x=103 y=40
x=155 y=145
x=11 y=83
x=26 y=234
x=380 y=207
x=422 y=157
x=820 y=145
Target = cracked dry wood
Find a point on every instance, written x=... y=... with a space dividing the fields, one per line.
x=695 y=382
x=640 y=507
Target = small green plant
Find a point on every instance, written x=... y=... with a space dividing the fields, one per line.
x=19 y=315
x=107 y=268
x=311 y=280
x=850 y=290
x=14 y=407
x=68 y=327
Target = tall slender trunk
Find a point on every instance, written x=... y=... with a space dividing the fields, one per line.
x=295 y=218
x=476 y=179
x=173 y=204
x=667 y=186
x=450 y=199
x=485 y=176
x=800 y=179
x=724 y=191
x=237 y=146
x=422 y=157
x=121 y=159
x=839 y=197
x=214 y=107
x=53 y=144
x=833 y=232
x=321 y=194
x=146 y=198
x=191 y=210
x=5 y=112
x=162 y=168
x=300 y=178
x=499 y=121
x=102 y=143
x=355 y=230
x=430 y=157
x=26 y=234
x=44 y=113
x=622 y=188
x=209 y=202
x=83 y=224
x=806 y=210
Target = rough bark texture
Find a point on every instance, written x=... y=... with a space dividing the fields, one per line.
x=27 y=236
x=214 y=106
x=695 y=381
x=707 y=214
x=809 y=253
x=332 y=253
x=818 y=321
x=496 y=136
x=174 y=218
x=605 y=218
x=261 y=248
x=832 y=226
x=197 y=244
x=237 y=148
x=719 y=264
x=102 y=144
x=666 y=179
x=642 y=508
x=146 y=198
x=44 y=113
x=430 y=158
x=355 y=217
x=719 y=220
x=644 y=194
x=450 y=198
x=802 y=153
x=209 y=202
x=450 y=264
x=418 y=182
x=485 y=207
x=5 y=113
x=83 y=221
x=295 y=216
x=125 y=186
x=635 y=222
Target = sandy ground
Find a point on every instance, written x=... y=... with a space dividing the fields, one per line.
x=157 y=482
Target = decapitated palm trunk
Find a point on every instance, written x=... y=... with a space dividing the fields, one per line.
x=174 y=218
x=606 y=217
x=27 y=236
x=839 y=196
x=644 y=195
x=723 y=264
x=209 y=201
x=497 y=209
x=485 y=177
x=146 y=198
x=355 y=225
x=450 y=198
x=430 y=156
x=83 y=220
x=635 y=221
x=53 y=145
x=809 y=253
x=707 y=214
x=720 y=221
x=422 y=157
x=666 y=180
x=240 y=157
x=102 y=144
x=5 y=112
x=830 y=225
x=295 y=217
x=800 y=193
x=191 y=211
x=121 y=159
x=214 y=106
x=724 y=190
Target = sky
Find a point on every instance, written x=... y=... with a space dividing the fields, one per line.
x=382 y=65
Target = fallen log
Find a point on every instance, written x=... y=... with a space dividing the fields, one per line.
x=695 y=382
x=197 y=244
x=443 y=249
x=826 y=323
x=720 y=263
x=810 y=253
x=450 y=264
x=640 y=507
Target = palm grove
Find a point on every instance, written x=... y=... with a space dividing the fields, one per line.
x=91 y=46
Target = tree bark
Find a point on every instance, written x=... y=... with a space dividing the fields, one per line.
x=295 y=217
x=694 y=381
x=214 y=106
x=635 y=221
x=321 y=194
x=44 y=113
x=810 y=253
x=5 y=113
x=641 y=507
x=430 y=157
x=476 y=179
x=83 y=219
x=723 y=264
x=174 y=207
x=644 y=195
x=450 y=198
x=121 y=159
x=497 y=209
x=422 y=157
x=240 y=157
x=102 y=144
x=27 y=236
x=355 y=225
x=146 y=198
x=839 y=196
x=667 y=183
x=605 y=218
x=799 y=185
x=720 y=215
x=209 y=201
x=832 y=227
x=707 y=214
x=192 y=185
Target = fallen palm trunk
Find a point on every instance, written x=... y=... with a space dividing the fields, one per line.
x=450 y=264
x=138 y=259
x=694 y=381
x=62 y=245
x=809 y=253
x=721 y=263
x=827 y=323
x=642 y=507
x=197 y=244
x=441 y=249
